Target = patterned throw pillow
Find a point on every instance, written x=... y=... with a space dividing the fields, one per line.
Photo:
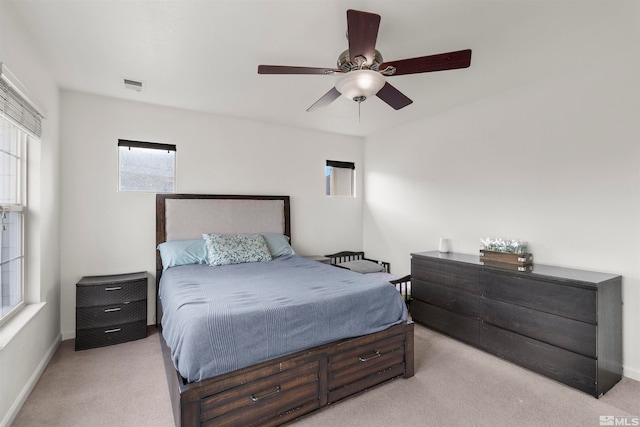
x=236 y=249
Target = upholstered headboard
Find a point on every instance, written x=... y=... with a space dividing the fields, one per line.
x=188 y=216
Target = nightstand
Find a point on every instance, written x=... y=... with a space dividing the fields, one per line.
x=110 y=309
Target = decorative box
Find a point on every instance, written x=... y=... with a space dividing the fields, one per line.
x=507 y=260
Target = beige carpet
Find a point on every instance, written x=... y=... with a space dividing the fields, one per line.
x=454 y=385
x=120 y=385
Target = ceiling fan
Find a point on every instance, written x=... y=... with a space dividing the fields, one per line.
x=362 y=71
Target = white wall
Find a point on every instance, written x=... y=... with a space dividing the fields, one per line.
x=28 y=352
x=107 y=232
x=555 y=163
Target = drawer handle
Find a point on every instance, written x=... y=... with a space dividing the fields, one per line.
x=255 y=398
x=363 y=359
x=111 y=310
x=110 y=331
x=114 y=288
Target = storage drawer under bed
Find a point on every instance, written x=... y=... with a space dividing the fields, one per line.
x=278 y=391
x=364 y=366
x=272 y=399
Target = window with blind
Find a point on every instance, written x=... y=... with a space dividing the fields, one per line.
x=15 y=107
x=19 y=122
x=340 y=178
x=146 y=166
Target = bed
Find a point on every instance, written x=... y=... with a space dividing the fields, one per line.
x=357 y=261
x=275 y=388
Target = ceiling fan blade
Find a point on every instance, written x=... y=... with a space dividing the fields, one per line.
x=393 y=97
x=283 y=69
x=362 y=31
x=425 y=64
x=326 y=99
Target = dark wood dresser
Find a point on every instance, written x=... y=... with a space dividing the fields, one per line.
x=563 y=323
x=110 y=309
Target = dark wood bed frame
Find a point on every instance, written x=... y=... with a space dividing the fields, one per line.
x=278 y=391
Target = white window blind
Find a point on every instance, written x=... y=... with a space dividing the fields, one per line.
x=17 y=109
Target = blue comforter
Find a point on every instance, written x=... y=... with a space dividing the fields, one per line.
x=219 y=319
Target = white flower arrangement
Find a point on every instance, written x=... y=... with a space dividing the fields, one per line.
x=506 y=246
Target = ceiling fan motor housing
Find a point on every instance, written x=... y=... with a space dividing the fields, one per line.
x=345 y=64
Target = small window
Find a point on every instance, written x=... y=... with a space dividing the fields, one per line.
x=340 y=178
x=146 y=166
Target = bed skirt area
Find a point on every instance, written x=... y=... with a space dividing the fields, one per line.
x=278 y=391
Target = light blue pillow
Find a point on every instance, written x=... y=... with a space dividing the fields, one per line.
x=278 y=244
x=236 y=249
x=182 y=252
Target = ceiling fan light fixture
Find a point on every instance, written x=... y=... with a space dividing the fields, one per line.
x=360 y=84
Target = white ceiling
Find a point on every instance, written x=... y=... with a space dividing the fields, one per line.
x=203 y=55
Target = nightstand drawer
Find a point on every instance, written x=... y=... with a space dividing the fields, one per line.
x=110 y=293
x=100 y=337
x=108 y=315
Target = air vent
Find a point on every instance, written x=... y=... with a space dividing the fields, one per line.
x=133 y=85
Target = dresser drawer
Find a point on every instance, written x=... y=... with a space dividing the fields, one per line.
x=256 y=402
x=100 y=337
x=109 y=315
x=569 y=334
x=454 y=275
x=568 y=301
x=445 y=297
x=461 y=327
x=110 y=293
x=565 y=366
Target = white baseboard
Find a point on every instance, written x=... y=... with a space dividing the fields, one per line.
x=29 y=386
x=68 y=335
x=631 y=373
